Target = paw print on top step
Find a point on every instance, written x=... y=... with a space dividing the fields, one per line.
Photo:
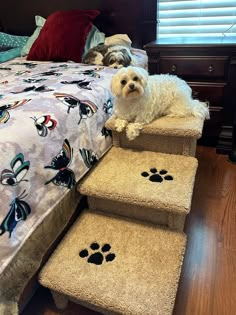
x=98 y=255
x=156 y=176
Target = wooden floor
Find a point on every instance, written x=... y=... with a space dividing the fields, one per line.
x=208 y=280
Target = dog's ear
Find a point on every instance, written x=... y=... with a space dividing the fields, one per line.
x=127 y=57
x=116 y=88
x=106 y=59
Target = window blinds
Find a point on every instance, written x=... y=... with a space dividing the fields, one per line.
x=196 y=20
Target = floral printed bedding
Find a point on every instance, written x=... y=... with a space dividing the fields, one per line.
x=52 y=132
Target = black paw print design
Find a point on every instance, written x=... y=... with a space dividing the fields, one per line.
x=97 y=258
x=156 y=176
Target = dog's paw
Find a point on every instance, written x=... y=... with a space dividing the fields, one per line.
x=120 y=124
x=133 y=130
x=132 y=134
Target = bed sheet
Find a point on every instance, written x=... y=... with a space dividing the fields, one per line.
x=52 y=132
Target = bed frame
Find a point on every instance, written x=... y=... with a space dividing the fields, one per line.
x=137 y=18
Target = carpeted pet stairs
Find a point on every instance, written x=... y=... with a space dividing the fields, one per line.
x=124 y=253
x=117 y=266
x=167 y=135
x=149 y=186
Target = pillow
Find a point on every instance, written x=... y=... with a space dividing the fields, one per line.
x=63 y=36
x=119 y=39
x=10 y=41
x=95 y=37
x=3 y=48
x=10 y=54
x=39 y=21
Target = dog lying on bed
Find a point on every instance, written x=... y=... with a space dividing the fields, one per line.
x=140 y=98
x=113 y=56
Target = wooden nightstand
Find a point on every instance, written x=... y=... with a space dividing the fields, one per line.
x=210 y=69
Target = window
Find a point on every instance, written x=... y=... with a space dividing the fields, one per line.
x=196 y=21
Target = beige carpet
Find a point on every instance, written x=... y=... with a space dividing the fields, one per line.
x=167 y=135
x=117 y=266
x=169 y=126
x=145 y=179
x=156 y=143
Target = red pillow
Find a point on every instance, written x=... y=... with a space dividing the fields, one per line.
x=63 y=36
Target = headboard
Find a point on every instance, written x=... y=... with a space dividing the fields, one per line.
x=136 y=18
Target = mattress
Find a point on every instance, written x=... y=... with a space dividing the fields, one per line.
x=52 y=118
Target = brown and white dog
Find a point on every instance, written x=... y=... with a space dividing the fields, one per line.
x=113 y=56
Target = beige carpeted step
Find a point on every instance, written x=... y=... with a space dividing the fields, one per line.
x=116 y=266
x=166 y=135
x=144 y=185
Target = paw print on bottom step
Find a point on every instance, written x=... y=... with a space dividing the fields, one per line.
x=156 y=176
x=99 y=256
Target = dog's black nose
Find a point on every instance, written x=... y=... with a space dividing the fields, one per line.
x=131 y=86
x=115 y=67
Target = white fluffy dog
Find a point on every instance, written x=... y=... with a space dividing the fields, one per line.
x=140 y=98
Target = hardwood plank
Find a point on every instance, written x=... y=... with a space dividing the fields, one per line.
x=195 y=294
x=225 y=283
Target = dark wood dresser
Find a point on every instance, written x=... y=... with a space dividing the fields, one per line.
x=210 y=69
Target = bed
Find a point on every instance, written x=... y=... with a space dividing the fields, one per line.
x=52 y=116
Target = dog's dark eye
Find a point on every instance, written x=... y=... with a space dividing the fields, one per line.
x=123 y=82
x=111 y=61
x=120 y=61
x=135 y=79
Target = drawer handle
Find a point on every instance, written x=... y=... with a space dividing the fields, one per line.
x=210 y=68
x=173 y=68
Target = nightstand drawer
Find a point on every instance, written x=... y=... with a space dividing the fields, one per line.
x=193 y=66
x=210 y=92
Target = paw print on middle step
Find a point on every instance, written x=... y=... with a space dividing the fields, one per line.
x=98 y=256
x=156 y=176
